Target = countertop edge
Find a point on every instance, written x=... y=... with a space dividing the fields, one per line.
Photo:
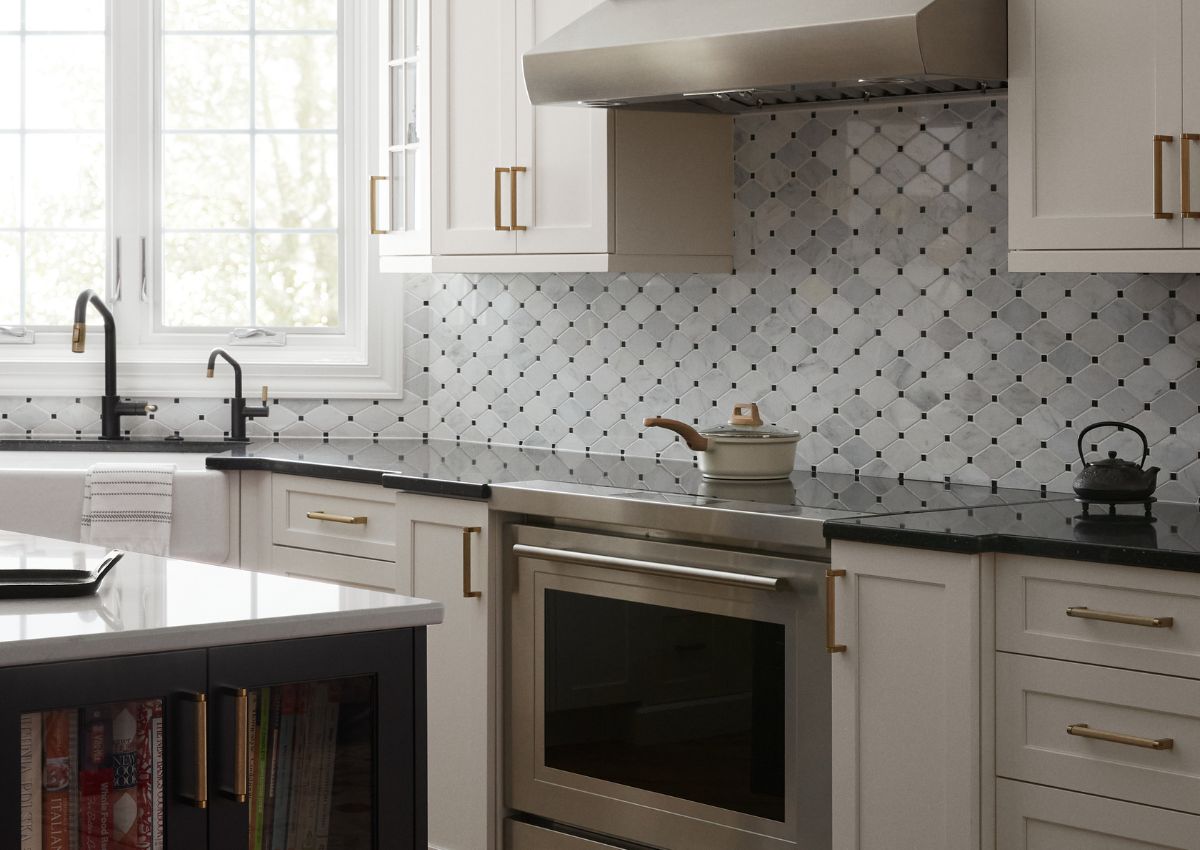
x=1007 y=544
x=339 y=472
x=204 y=635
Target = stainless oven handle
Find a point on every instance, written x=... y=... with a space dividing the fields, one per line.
x=753 y=582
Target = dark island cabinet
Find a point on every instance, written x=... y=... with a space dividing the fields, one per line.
x=315 y=742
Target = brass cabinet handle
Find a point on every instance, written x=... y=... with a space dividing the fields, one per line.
x=345 y=520
x=1159 y=141
x=512 y=187
x=499 y=208
x=375 y=231
x=1185 y=175
x=831 y=644
x=1082 y=730
x=1084 y=613
x=466 y=560
x=199 y=798
x=241 y=753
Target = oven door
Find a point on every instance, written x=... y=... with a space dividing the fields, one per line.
x=667 y=694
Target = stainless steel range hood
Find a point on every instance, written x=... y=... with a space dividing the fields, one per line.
x=737 y=55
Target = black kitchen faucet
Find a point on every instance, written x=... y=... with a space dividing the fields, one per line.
x=112 y=408
x=239 y=411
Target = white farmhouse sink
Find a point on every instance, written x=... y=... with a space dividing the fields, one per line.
x=42 y=493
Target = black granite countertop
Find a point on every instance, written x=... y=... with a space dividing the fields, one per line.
x=1169 y=538
x=468 y=470
x=918 y=514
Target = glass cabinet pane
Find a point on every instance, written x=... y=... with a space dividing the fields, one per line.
x=93 y=776
x=404 y=29
x=312 y=765
x=399 y=192
x=399 y=113
x=402 y=134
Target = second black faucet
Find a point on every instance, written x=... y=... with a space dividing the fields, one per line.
x=239 y=411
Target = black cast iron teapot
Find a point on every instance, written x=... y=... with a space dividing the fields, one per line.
x=1114 y=479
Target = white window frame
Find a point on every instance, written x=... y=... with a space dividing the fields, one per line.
x=362 y=360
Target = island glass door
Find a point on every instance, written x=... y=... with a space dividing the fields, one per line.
x=314 y=744
x=104 y=754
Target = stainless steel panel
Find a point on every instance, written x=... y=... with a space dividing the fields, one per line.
x=747 y=55
x=633 y=813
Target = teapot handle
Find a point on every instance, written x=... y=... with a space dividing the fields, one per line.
x=1122 y=426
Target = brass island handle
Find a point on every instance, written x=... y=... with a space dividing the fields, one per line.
x=345 y=520
x=468 y=593
x=1084 y=613
x=241 y=755
x=1159 y=141
x=831 y=644
x=198 y=796
x=1082 y=730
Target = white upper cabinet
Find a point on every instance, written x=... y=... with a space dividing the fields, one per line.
x=566 y=197
x=1102 y=99
x=474 y=178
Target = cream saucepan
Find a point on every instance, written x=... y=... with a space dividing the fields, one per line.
x=745 y=449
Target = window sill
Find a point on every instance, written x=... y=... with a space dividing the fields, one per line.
x=290 y=372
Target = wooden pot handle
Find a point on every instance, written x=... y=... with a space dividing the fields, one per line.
x=690 y=435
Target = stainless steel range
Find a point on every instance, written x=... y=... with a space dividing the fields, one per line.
x=665 y=690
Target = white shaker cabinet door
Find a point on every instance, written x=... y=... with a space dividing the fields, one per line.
x=1190 y=202
x=473 y=86
x=906 y=699
x=1092 y=83
x=443 y=548
x=565 y=196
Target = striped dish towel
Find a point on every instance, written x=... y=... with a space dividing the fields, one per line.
x=128 y=506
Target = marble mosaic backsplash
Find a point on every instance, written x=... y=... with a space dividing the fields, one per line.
x=871 y=310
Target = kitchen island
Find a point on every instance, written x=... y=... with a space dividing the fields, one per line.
x=179 y=677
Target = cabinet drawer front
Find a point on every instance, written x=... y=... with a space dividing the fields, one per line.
x=1031 y=817
x=366 y=573
x=334 y=516
x=1037 y=700
x=1033 y=596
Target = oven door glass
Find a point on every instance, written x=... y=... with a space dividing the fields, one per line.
x=678 y=702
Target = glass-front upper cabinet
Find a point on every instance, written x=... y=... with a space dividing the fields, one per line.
x=400 y=186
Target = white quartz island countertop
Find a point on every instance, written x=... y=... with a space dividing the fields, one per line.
x=153 y=604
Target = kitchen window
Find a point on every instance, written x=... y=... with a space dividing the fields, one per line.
x=204 y=165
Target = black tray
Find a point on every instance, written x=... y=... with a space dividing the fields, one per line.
x=54 y=584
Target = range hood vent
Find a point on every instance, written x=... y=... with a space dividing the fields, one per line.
x=743 y=55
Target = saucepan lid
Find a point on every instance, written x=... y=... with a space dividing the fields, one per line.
x=746 y=423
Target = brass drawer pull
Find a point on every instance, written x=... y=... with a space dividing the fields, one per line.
x=1185 y=174
x=345 y=520
x=241 y=755
x=1084 y=613
x=513 y=172
x=831 y=644
x=499 y=207
x=375 y=231
x=1159 y=141
x=1082 y=730
x=466 y=559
